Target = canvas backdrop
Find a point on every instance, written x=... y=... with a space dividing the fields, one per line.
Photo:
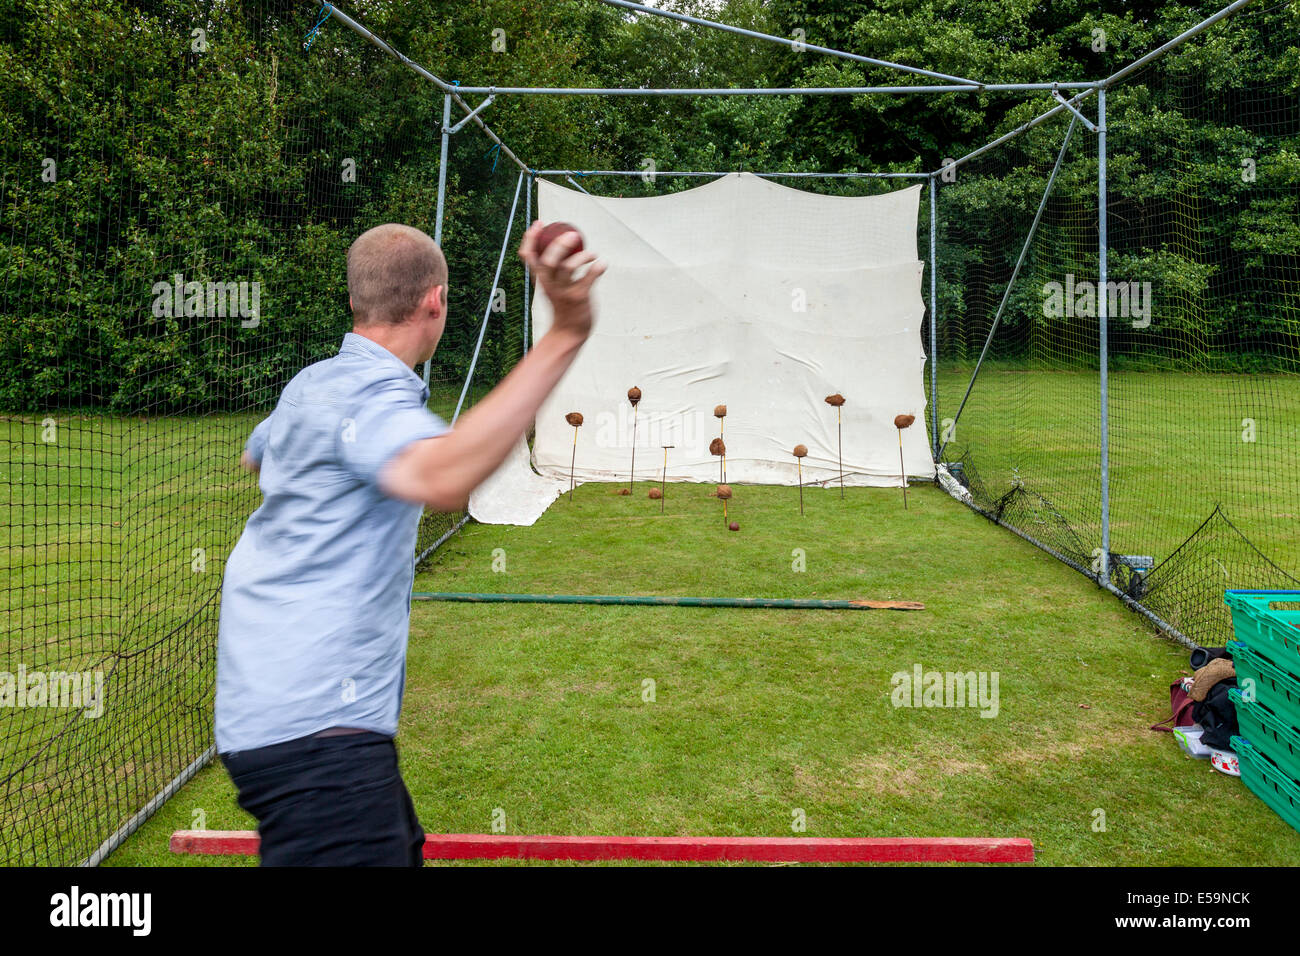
x=741 y=292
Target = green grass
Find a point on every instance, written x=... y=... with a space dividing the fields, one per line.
x=539 y=710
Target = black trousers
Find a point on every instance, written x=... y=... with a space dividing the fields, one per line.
x=329 y=801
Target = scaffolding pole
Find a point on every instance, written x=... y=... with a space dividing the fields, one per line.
x=773 y=91
x=1103 y=348
x=528 y=285
x=442 y=194
x=1022 y=128
x=934 y=320
x=1176 y=41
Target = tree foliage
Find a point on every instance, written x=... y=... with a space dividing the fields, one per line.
x=223 y=159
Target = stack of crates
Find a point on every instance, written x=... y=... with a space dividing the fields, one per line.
x=1266 y=654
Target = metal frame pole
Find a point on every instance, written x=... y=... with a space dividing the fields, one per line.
x=474 y=115
x=934 y=319
x=528 y=221
x=774 y=91
x=442 y=190
x=1103 y=347
x=1176 y=41
x=122 y=833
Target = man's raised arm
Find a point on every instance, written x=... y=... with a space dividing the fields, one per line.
x=441 y=472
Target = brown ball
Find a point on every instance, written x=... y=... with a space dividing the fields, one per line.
x=903 y=421
x=634 y=394
x=552 y=232
x=720 y=411
x=655 y=494
x=625 y=491
x=717 y=447
x=837 y=399
x=724 y=491
x=800 y=451
x=734 y=526
x=574 y=418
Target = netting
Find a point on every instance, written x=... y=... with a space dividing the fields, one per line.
x=176 y=202
x=1203 y=164
x=175 y=212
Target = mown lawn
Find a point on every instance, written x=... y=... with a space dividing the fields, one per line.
x=543 y=713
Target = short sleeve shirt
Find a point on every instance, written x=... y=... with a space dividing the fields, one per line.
x=316 y=598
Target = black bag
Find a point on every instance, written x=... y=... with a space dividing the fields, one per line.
x=1218 y=715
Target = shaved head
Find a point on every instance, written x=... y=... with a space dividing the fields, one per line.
x=391 y=268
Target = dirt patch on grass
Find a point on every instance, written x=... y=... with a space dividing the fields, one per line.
x=924 y=770
x=882 y=775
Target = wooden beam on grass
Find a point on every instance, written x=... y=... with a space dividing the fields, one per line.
x=810 y=604
x=690 y=849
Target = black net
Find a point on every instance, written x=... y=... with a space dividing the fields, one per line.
x=176 y=203
x=1203 y=304
x=175 y=212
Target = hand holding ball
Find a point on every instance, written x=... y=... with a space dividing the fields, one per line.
x=552 y=232
x=564 y=274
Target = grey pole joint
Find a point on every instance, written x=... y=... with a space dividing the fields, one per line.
x=1069 y=105
x=449 y=88
x=477 y=110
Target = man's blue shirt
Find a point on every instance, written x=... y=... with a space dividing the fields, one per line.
x=316 y=600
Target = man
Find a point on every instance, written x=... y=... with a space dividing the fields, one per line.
x=316 y=598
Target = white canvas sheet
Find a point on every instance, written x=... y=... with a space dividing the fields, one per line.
x=514 y=493
x=746 y=293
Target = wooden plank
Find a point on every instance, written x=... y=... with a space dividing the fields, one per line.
x=215 y=842
x=485 y=846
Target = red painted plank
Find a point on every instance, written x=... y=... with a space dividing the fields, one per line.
x=215 y=842
x=483 y=846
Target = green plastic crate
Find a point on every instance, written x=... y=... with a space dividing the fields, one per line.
x=1273 y=737
x=1270 y=631
x=1275 y=688
x=1267 y=782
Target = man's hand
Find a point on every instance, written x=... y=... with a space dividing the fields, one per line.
x=570 y=297
x=441 y=472
x=246 y=460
